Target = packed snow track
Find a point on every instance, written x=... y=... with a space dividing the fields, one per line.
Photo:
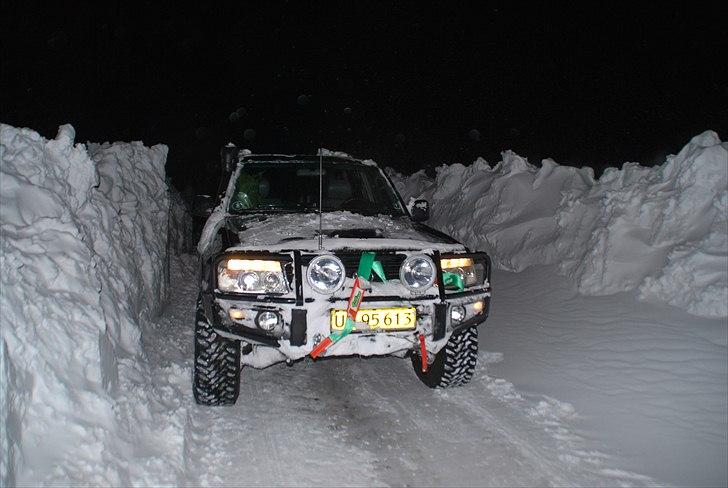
x=346 y=422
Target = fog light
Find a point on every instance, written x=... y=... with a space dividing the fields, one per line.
x=457 y=313
x=236 y=314
x=267 y=320
x=478 y=306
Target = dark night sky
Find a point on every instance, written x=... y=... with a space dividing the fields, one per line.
x=407 y=85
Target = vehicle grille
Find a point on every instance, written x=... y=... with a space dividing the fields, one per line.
x=391 y=262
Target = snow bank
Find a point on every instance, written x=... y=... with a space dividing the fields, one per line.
x=662 y=231
x=83 y=254
x=180 y=223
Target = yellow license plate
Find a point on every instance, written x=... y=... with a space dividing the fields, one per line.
x=377 y=319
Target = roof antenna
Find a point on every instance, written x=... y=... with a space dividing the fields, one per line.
x=321 y=196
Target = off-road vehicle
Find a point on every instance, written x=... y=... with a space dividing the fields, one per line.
x=279 y=257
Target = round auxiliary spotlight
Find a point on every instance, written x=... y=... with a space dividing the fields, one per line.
x=417 y=273
x=326 y=274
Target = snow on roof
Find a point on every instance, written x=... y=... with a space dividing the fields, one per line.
x=330 y=156
x=338 y=157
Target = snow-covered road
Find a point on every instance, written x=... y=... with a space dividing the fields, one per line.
x=648 y=382
x=357 y=422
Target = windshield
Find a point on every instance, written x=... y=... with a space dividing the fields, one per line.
x=294 y=187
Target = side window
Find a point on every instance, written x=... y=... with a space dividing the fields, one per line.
x=246 y=194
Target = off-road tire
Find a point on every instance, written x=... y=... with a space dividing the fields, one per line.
x=216 y=372
x=455 y=364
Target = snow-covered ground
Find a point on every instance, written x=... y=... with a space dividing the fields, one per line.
x=360 y=422
x=604 y=361
x=648 y=383
x=570 y=390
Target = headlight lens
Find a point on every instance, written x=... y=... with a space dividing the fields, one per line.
x=326 y=274
x=417 y=273
x=472 y=273
x=251 y=276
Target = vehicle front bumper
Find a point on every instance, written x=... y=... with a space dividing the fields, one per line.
x=302 y=327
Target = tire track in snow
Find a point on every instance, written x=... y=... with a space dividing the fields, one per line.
x=563 y=456
x=279 y=433
x=272 y=445
x=410 y=430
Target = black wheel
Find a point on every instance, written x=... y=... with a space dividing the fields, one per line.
x=455 y=364
x=216 y=375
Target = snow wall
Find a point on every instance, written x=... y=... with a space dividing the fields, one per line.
x=180 y=223
x=83 y=261
x=662 y=230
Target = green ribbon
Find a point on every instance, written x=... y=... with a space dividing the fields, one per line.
x=348 y=328
x=367 y=265
x=453 y=279
x=379 y=270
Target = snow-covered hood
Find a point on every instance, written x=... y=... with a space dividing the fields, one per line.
x=341 y=230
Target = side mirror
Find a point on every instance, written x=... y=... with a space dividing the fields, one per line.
x=420 y=210
x=202 y=206
x=229 y=157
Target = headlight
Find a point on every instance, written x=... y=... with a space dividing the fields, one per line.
x=472 y=273
x=326 y=274
x=251 y=276
x=417 y=273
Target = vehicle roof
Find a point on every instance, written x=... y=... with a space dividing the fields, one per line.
x=305 y=158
